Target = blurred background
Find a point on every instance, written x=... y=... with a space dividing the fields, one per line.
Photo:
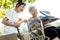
x=50 y=5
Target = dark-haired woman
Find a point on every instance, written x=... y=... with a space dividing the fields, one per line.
x=12 y=20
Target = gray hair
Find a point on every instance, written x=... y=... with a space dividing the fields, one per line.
x=31 y=7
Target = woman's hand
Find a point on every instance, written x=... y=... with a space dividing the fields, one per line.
x=17 y=24
x=25 y=20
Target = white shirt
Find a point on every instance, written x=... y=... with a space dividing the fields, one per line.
x=13 y=18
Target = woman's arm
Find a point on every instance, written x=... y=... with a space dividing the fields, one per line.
x=6 y=22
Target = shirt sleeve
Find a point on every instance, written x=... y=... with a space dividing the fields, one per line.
x=8 y=15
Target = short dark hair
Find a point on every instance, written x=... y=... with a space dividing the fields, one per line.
x=21 y=3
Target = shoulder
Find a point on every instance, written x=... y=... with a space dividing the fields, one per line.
x=9 y=11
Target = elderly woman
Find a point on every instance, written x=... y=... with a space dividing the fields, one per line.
x=34 y=24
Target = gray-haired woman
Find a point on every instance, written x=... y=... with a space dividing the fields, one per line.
x=49 y=32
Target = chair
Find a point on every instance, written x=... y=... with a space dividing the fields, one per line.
x=39 y=37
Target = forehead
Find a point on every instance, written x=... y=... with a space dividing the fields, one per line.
x=22 y=5
x=33 y=9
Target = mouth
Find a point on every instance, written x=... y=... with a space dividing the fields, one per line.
x=21 y=10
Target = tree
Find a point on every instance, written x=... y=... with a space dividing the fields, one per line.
x=7 y=4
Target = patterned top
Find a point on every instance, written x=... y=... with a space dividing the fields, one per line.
x=32 y=23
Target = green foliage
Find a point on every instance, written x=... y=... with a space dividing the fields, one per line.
x=2 y=13
x=24 y=0
x=31 y=1
x=7 y=4
x=2 y=2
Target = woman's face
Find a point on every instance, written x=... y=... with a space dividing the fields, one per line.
x=21 y=8
x=33 y=12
